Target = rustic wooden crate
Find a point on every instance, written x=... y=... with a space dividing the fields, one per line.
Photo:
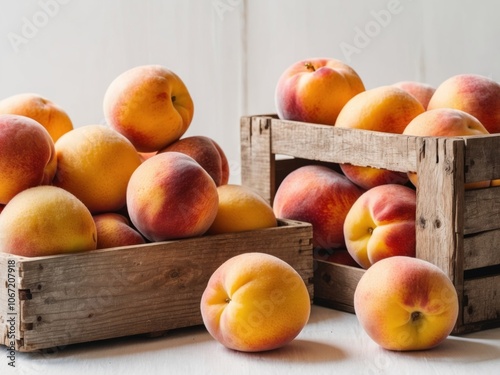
x=67 y=299
x=457 y=229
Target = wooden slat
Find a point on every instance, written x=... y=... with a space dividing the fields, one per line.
x=140 y=289
x=360 y=147
x=334 y=284
x=482 y=158
x=482 y=250
x=483 y=302
x=257 y=162
x=482 y=210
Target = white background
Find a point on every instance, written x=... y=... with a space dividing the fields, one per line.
x=230 y=53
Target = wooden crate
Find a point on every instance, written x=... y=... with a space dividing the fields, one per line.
x=67 y=299
x=457 y=230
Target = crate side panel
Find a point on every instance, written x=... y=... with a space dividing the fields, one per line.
x=482 y=210
x=330 y=144
x=483 y=300
x=334 y=285
x=145 y=289
x=482 y=249
x=257 y=162
x=482 y=158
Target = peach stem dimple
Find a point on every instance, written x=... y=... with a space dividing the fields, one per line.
x=309 y=66
x=415 y=316
x=227 y=300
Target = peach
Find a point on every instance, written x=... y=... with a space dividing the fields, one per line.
x=46 y=220
x=472 y=93
x=320 y=196
x=241 y=209
x=381 y=224
x=207 y=153
x=51 y=116
x=27 y=156
x=95 y=162
x=441 y=122
x=170 y=196
x=150 y=105
x=115 y=230
x=255 y=302
x=315 y=90
x=406 y=303
x=384 y=109
x=422 y=91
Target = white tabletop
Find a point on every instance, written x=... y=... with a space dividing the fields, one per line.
x=331 y=343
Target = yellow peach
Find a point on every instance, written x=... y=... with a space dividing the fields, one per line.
x=315 y=90
x=51 y=116
x=475 y=94
x=150 y=105
x=255 y=302
x=46 y=220
x=406 y=303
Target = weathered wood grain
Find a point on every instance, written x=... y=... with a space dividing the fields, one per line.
x=483 y=304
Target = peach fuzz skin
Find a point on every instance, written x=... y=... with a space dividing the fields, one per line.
x=320 y=196
x=315 y=90
x=150 y=105
x=446 y=122
x=381 y=224
x=27 y=155
x=406 y=303
x=170 y=196
x=114 y=230
x=421 y=91
x=207 y=153
x=472 y=93
x=255 y=302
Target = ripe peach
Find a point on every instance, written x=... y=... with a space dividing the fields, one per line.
x=320 y=196
x=384 y=109
x=422 y=91
x=471 y=93
x=255 y=302
x=46 y=220
x=150 y=105
x=207 y=153
x=27 y=156
x=406 y=303
x=381 y=224
x=241 y=209
x=315 y=90
x=171 y=196
x=446 y=122
x=95 y=162
x=114 y=230
x=51 y=116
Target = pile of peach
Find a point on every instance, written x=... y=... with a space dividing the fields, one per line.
x=135 y=180
x=362 y=214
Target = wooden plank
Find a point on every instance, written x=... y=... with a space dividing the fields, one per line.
x=482 y=158
x=483 y=300
x=140 y=289
x=360 y=147
x=334 y=284
x=481 y=210
x=257 y=162
x=481 y=249
x=439 y=215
